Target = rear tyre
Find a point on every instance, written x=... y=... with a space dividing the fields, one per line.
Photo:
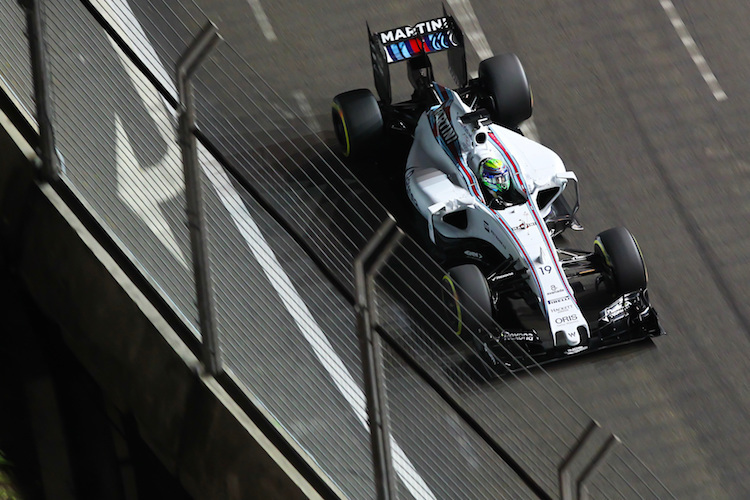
x=623 y=259
x=357 y=122
x=504 y=80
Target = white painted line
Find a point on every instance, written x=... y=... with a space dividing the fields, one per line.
x=692 y=48
x=467 y=19
x=144 y=190
x=306 y=110
x=301 y=315
x=120 y=16
x=265 y=24
x=162 y=181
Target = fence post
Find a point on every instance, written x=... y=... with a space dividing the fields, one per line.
x=188 y=63
x=35 y=24
x=366 y=266
x=566 y=481
x=604 y=449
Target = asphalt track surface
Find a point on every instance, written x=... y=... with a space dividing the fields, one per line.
x=619 y=97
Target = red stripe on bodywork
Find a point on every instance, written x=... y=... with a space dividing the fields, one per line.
x=416 y=45
x=472 y=184
x=520 y=247
x=542 y=227
x=523 y=251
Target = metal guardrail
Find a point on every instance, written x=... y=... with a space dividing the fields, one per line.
x=266 y=309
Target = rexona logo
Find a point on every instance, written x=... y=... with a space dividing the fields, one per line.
x=566 y=319
x=418 y=29
x=519 y=336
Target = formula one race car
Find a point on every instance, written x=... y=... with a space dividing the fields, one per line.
x=492 y=202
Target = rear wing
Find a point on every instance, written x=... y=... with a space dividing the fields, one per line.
x=407 y=42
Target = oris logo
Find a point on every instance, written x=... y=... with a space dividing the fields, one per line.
x=566 y=319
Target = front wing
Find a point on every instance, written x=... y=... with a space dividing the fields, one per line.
x=628 y=319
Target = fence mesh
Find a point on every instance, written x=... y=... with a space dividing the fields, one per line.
x=526 y=412
x=286 y=331
x=276 y=152
x=614 y=479
x=462 y=465
x=117 y=136
x=304 y=367
x=15 y=66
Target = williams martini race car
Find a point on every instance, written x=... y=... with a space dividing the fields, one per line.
x=492 y=202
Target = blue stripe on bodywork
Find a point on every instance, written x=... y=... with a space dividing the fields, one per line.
x=404 y=50
x=394 y=52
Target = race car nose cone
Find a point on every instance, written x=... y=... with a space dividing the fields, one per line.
x=573 y=338
x=570 y=338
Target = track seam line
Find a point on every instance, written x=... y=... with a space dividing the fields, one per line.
x=692 y=48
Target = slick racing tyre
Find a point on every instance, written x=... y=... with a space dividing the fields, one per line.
x=468 y=299
x=622 y=258
x=504 y=80
x=357 y=122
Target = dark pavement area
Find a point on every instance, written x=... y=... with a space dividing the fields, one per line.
x=59 y=436
x=16 y=436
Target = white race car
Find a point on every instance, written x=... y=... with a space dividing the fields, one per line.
x=520 y=297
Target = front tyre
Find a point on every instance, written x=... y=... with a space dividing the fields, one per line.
x=468 y=298
x=357 y=122
x=619 y=252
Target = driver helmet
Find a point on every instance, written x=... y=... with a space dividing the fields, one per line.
x=495 y=176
